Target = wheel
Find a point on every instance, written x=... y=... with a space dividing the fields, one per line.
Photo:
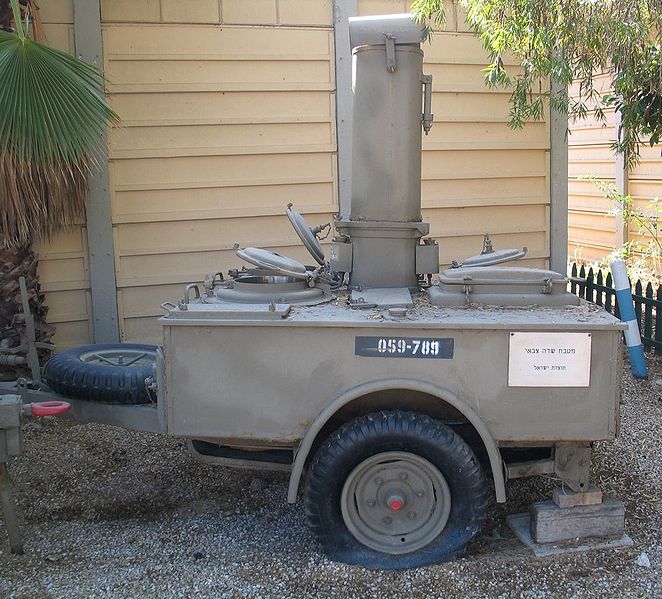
x=394 y=490
x=109 y=373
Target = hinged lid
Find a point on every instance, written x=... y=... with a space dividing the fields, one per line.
x=273 y=261
x=494 y=257
x=489 y=257
x=377 y=29
x=307 y=234
x=505 y=275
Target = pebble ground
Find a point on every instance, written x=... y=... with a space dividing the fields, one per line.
x=111 y=513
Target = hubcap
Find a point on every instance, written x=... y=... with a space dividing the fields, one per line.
x=395 y=502
x=119 y=357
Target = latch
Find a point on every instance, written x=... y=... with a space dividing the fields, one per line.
x=389 y=41
x=427 y=116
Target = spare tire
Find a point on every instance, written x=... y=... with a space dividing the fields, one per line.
x=108 y=373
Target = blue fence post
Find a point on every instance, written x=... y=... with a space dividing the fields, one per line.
x=625 y=304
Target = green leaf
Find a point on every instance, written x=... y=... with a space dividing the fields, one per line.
x=53 y=117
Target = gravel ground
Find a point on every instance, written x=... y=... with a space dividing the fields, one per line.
x=111 y=513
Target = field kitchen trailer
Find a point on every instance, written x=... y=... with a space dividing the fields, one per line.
x=394 y=395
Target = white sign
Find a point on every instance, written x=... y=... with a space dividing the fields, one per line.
x=549 y=360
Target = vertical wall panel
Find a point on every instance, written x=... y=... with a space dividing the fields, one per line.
x=63 y=269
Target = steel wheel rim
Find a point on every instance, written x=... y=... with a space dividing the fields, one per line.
x=395 y=502
x=135 y=358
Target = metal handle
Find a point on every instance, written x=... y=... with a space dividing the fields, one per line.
x=427 y=103
x=217 y=275
x=389 y=41
x=187 y=293
x=210 y=282
x=49 y=408
x=168 y=306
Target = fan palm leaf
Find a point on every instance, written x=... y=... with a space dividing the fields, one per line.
x=52 y=121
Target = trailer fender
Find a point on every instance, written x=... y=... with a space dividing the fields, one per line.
x=350 y=395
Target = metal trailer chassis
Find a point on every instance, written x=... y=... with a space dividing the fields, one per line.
x=280 y=382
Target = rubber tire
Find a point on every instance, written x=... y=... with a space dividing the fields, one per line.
x=68 y=375
x=394 y=431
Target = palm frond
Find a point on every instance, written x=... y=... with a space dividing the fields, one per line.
x=53 y=117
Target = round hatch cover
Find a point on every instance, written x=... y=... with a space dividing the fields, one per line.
x=273 y=261
x=496 y=257
x=306 y=235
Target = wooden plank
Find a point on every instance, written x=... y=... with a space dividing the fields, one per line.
x=484 y=191
x=493 y=219
x=295 y=12
x=135 y=11
x=70 y=334
x=229 y=139
x=217 y=87
x=551 y=523
x=186 y=75
x=162 y=41
x=201 y=11
x=486 y=135
x=237 y=106
x=208 y=171
x=367 y=8
x=250 y=11
x=67 y=306
x=481 y=164
x=204 y=235
x=222 y=202
x=57 y=11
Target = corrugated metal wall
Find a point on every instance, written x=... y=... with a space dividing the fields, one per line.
x=228 y=114
x=592 y=231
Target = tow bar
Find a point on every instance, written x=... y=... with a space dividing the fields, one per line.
x=11 y=442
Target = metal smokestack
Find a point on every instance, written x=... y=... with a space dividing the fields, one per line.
x=380 y=242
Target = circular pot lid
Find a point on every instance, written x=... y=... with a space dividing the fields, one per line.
x=273 y=261
x=306 y=235
x=497 y=257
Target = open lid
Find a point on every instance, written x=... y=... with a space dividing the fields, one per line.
x=273 y=261
x=496 y=257
x=306 y=234
x=490 y=257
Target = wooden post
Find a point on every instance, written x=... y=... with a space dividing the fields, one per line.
x=621 y=232
x=9 y=511
x=99 y=225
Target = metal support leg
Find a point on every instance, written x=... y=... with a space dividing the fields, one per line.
x=9 y=511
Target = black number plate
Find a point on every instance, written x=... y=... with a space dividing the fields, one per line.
x=404 y=347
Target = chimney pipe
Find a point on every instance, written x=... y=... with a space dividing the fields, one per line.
x=380 y=241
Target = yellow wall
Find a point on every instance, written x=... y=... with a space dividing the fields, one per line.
x=228 y=113
x=591 y=230
x=63 y=264
x=222 y=127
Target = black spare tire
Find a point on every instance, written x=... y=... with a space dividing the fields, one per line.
x=107 y=373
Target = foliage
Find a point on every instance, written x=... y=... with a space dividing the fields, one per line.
x=573 y=40
x=52 y=120
x=642 y=255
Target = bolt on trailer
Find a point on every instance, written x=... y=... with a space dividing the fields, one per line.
x=396 y=396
